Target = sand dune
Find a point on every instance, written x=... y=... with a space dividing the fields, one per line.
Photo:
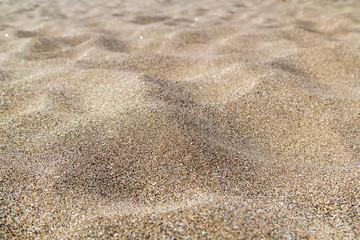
x=179 y=119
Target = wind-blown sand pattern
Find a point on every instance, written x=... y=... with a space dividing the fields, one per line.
x=179 y=119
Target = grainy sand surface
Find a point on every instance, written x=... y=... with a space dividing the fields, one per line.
x=179 y=119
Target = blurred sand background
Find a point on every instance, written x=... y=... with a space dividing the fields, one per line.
x=179 y=119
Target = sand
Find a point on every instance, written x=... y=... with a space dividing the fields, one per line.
x=179 y=119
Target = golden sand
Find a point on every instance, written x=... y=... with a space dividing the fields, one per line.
x=179 y=119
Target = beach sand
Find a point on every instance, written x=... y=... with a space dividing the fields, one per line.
x=179 y=119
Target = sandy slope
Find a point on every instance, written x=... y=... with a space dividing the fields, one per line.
x=179 y=119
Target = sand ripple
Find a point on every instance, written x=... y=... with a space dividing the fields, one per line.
x=179 y=119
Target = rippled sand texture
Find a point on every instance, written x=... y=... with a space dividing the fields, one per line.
x=179 y=119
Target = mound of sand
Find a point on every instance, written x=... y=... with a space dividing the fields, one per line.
x=179 y=119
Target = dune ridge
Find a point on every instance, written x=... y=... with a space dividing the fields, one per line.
x=179 y=119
